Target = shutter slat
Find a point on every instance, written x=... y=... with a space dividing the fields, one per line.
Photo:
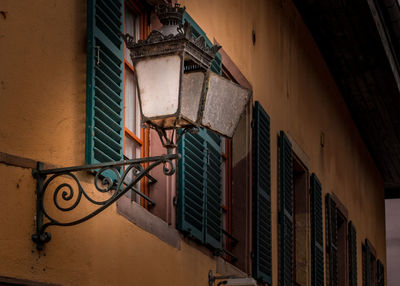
x=317 y=250
x=262 y=260
x=286 y=209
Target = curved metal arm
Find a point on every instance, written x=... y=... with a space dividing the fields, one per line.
x=109 y=178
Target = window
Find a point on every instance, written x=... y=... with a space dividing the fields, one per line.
x=112 y=119
x=369 y=264
x=294 y=215
x=341 y=244
x=135 y=138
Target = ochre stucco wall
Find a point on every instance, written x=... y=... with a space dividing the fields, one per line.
x=294 y=85
x=42 y=115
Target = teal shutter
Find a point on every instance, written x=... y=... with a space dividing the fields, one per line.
x=317 y=244
x=332 y=239
x=262 y=249
x=367 y=265
x=380 y=274
x=213 y=231
x=286 y=209
x=200 y=176
x=352 y=254
x=104 y=81
x=191 y=185
x=199 y=187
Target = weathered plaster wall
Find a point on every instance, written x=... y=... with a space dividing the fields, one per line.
x=42 y=115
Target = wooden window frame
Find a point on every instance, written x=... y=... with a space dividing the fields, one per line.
x=138 y=7
x=343 y=212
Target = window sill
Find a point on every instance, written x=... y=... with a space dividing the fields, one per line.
x=148 y=222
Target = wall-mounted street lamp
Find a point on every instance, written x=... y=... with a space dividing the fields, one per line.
x=176 y=90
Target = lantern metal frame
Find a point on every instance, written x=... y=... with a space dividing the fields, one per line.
x=181 y=43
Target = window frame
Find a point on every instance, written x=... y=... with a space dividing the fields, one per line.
x=138 y=8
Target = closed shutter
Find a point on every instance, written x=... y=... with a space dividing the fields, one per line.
x=199 y=187
x=191 y=185
x=317 y=248
x=286 y=210
x=262 y=252
x=331 y=216
x=380 y=273
x=200 y=175
x=352 y=255
x=104 y=81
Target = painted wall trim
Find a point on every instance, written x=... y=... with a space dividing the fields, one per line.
x=148 y=222
x=22 y=162
x=14 y=281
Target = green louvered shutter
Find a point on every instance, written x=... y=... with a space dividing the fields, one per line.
x=213 y=229
x=191 y=185
x=286 y=209
x=104 y=81
x=199 y=187
x=352 y=254
x=317 y=247
x=380 y=273
x=367 y=257
x=262 y=249
x=200 y=176
x=331 y=216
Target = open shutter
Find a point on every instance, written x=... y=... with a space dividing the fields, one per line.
x=191 y=185
x=380 y=274
x=317 y=248
x=331 y=216
x=200 y=176
x=352 y=255
x=286 y=209
x=262 y=250
x=213 y=230
x=104 y=81
x=199 y=187
x=367 y=264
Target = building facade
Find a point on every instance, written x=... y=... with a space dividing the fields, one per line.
x=295 y=198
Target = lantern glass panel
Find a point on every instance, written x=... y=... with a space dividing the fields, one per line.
x=224 y=104
x=192 y=87
x=158 y=82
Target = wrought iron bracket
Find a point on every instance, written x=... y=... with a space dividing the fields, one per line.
x=66 y=190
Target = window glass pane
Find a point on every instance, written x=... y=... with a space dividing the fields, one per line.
x=131 y=106
x=132 y=27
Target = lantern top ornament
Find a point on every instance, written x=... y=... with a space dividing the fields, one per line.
x=173 y=38
x=168 y=14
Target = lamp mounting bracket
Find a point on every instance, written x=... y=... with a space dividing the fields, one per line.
x=67 y=192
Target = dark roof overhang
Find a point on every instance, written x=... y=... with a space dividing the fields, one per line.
x=360 y=42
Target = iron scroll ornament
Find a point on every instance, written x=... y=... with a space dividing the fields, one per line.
x=109 y=178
